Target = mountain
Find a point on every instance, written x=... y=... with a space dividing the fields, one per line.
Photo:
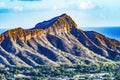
x=56 y=42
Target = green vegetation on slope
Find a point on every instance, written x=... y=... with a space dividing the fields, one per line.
x=49 y=72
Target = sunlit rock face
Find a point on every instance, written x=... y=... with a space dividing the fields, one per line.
x=56 y=42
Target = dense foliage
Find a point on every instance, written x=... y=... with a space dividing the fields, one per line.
x=42 y=72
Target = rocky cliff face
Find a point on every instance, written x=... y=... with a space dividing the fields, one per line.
x=56 y=25
x=56 y=42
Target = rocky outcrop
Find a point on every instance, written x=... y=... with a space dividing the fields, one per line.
x=56 y=25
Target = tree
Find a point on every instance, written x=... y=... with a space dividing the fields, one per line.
x=118 y=76
x=2 y=76
x=108 y=76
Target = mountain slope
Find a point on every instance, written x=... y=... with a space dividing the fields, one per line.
x=98 y=43
x=56 y=42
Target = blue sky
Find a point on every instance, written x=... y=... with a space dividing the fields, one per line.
x=86 y=13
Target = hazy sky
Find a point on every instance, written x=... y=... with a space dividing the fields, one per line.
x=86 y=13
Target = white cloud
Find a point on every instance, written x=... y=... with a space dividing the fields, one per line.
x=87 y=4
x=18 y=8
x=2 y=4
x=55 y=8
x=29 y=0
x=18 y=5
